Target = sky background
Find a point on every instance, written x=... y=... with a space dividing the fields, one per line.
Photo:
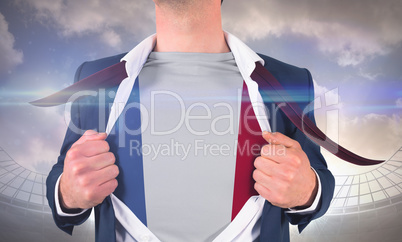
x=352 y=48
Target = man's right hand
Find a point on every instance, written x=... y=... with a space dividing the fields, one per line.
x=89 y=174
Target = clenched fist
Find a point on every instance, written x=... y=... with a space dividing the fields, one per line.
x=283 y=175
x=89 y=173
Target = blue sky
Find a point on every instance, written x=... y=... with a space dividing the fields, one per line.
x=353 y=48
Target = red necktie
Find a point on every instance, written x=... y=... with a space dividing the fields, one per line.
x=268 y=83
x=249 y=136
x=108 y=77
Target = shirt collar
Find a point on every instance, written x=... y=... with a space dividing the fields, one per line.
x=245 y=59
x=244 y=56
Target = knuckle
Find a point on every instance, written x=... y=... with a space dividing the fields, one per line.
x=89 y=195
x=263 y=192
x=105 y=145
x=255 y=175
x=258 y=161
x=83 y=182
x=115 y=183
x=72 y=154
x=257 y=188
x=76 y=169
x=89 y=132
x=296 y=161
x=111 y=157
x=115 y=170
x=289 y=176
x=110 y=187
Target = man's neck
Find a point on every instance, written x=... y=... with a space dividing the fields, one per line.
x=194 y=30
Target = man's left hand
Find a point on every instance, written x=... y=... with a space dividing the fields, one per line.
x=283 y=175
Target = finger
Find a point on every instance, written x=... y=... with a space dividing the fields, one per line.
x=273 y=184
x=106 y=188
x=90 y=135
x=267 y=166
x=106 y=174
x=276 y=171
x=271 y=196
x=100 y=192
x=100 y=161
x=93 y=147
x=263 y=179
x=280 y=139
x=282 y=155
x=274 y=152
x=263 y=191
x=264 y=186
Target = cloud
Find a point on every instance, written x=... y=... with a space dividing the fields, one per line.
x=350 y=31
x=110 y=20
x=32 y=136
x=368 y=74
x=374 y=136
x=9 y=57
x=326 y=98
x=111 y=38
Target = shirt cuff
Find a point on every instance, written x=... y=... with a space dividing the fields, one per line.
x=313 y=206
x=57 y=202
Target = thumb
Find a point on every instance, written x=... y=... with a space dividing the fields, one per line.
x=90 y=135
x=267 y=136
x=277 y=138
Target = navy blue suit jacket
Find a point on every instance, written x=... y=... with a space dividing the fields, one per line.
x=275 y=222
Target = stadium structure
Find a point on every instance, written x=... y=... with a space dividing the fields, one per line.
x=365 y=207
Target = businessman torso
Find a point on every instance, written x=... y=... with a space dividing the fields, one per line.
x=89 y=113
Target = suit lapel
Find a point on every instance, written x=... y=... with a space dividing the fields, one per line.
x=125 y=142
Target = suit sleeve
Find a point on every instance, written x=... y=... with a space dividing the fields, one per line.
x=66 y=223
x=318 y=162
